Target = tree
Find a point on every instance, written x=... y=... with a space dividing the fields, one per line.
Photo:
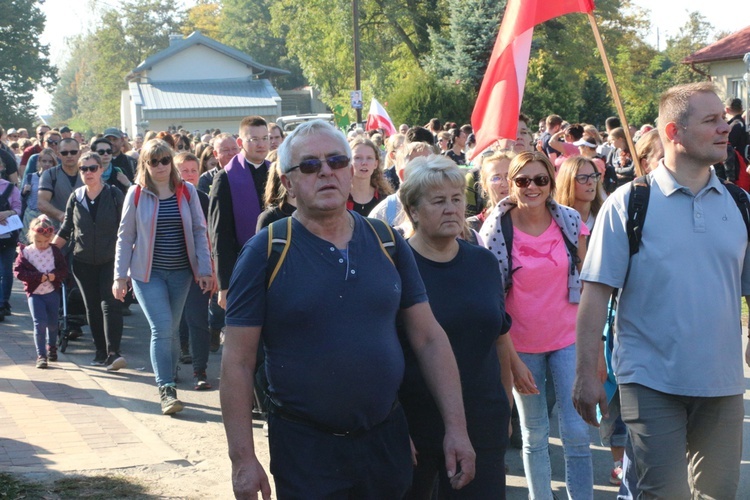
x=692 y=36
x=597 y=102
x=125 y=38
x=462 y=54
x=206 y=17
x=24 y=62
x=246 y=26
x=422 y=96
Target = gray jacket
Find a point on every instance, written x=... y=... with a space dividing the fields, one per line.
x=135 y=238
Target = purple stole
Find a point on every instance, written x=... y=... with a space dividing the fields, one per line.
x=245 y=203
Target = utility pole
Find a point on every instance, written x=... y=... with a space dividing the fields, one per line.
x=355 y=25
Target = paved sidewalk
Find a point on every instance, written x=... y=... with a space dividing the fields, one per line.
x=60 y=419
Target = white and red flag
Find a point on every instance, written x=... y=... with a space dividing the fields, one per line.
x=378 y=118
x=498 y=104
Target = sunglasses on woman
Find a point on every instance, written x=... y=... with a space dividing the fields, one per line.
x=313 y=165
x=584 y=179
x=524 y=182
x=164 y=161
x=89 y=168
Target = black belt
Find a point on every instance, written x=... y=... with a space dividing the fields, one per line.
x=289 y=416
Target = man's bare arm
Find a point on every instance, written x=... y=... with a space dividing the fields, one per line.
x=236 y=396
x=44 y=204
x=588 y=390
x=440 y=371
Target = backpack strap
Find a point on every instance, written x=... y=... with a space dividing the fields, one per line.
x=506 y=227
x=279 y=240
x=743 y=204
x=385 y=236
x=637 y=208
x=6 y=194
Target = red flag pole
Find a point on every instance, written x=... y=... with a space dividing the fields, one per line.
x=615 y=93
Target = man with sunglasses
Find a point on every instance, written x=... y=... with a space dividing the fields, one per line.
x=57 y=183
x=332 y=354
x=677 y=354
x=236 y=199
x=125 y=163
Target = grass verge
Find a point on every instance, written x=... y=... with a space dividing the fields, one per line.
x=92 y=488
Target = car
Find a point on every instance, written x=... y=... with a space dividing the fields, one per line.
x=289 y=123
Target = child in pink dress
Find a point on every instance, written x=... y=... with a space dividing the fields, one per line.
x=42 y=268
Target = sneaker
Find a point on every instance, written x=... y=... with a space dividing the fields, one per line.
x=6 y=310
x=200 y=381
x=114 y=362
x=41 y=362
x=52 y=353
x=185 y=357
x=169 y=402
x=99 y=359
x=616 y=476
x=215 y=339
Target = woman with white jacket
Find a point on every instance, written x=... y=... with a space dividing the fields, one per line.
x=161 y=246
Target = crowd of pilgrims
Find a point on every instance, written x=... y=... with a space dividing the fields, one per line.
x=77 y=201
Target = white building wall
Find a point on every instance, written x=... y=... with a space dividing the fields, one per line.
x=198 y=63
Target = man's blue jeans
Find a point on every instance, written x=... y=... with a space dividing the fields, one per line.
x=162 y=299
x=574 y=432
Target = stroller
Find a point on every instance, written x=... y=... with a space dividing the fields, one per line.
x=73 y=315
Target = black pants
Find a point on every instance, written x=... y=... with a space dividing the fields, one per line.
x=103 y=311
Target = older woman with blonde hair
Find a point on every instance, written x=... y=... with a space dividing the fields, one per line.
x=579 y=187
x=539 y=246
x=493 y=181
x=162 y=246
x=464 y=287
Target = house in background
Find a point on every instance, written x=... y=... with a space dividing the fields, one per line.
x=198 y=83
x=728 y=62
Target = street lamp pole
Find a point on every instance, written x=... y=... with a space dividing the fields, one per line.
x=355 y=24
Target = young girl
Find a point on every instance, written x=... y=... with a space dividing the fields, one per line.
x=42 y=268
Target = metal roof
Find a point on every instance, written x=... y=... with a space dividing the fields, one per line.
x=205 y=98
x=196 y=38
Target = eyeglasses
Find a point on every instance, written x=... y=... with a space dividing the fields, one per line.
x=524 y=182
x=52 y=143
x=103 y=152
x=44 y=230
x=164 y=161
x=584 y=179
x=69 y=153
x=498 y=178
x=313 y=165
x=90 y=168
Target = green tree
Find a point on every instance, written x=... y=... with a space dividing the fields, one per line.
x=206 y=17
x=246 y=26
x=692 y=36
x=463 y=51
x=597 y=102
x=125 y=38
x=24 y=62
x=548 y=91
x=422 y=96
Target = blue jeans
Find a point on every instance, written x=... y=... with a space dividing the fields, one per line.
x=44 y=313
x=162 y=300
x=194 y=325
x=7 y=258
x=574 y=432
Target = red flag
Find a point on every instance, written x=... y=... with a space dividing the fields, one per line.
x=498 y=104
x=378 y=118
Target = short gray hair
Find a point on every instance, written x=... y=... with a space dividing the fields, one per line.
x=426 y=172
x=313 y=127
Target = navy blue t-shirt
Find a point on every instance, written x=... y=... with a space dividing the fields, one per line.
x=329 y=323
x=466 y=296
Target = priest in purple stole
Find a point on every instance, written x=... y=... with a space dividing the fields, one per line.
x=236 y=199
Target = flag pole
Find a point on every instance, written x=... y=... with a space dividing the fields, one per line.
x=615 y=93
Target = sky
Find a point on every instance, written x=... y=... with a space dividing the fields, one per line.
x=68 y=18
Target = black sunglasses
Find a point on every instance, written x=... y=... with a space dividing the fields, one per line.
x=313 y=165
x=103 y=152
x=584 y=179
x=524 y=182
x=164 y=161
x=69 y=153
x=92 y=168
x=53 y=143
